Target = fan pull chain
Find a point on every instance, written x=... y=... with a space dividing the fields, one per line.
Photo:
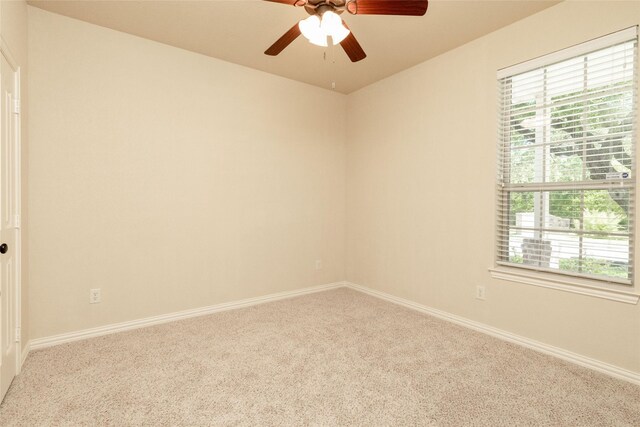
x=332 y=63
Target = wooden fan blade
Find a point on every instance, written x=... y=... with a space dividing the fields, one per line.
x=283 y=41
x=388 y=7
x=290 y=2
x=352 y=47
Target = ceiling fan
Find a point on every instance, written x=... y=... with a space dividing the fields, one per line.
x=325 y=22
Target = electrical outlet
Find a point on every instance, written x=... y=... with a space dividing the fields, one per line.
x=318 y=264
x=480 y=292
x=94 y=296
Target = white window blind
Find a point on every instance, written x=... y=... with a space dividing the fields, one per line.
x=566 y=161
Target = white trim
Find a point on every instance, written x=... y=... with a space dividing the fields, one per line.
x=551 y=281
x=17 y=167
x=25 y=353
x=569 y=356
x=570 y=52
x=587 y=362
x=39 y=343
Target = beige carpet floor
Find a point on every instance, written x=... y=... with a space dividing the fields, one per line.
x=338 y=357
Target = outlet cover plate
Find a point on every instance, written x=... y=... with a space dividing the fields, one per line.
x=94 y=296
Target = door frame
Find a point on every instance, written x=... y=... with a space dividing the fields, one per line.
x=17 y=221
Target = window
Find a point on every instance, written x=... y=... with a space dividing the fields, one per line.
x=566 y=161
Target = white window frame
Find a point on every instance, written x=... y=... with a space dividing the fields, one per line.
x=556 y=279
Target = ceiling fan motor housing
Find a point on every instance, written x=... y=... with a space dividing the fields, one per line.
x=318 y=7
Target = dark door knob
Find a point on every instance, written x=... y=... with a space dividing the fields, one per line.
x=4 y=248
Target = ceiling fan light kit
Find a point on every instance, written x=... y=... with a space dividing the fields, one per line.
x=325 y=21
x=317 y=30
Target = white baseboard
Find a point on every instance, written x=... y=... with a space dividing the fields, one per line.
x=569 y=356
x=23 y=356
x=39 y=343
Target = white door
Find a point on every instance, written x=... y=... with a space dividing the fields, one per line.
x=8 y=227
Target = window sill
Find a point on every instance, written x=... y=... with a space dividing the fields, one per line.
x=552 y=281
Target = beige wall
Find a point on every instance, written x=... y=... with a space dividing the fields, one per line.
x=171 y=180
x=13 y=29
x=421 y=159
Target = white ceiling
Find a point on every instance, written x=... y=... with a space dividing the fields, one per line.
x=239 y=31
